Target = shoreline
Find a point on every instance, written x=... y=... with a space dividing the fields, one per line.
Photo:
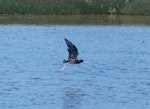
x=17 y=14
x=85 y=19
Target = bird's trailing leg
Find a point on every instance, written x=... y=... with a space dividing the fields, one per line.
x=65 y=65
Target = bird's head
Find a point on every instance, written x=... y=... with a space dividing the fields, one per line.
x=81 y=60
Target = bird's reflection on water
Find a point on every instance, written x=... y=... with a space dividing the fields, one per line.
x=72 y=98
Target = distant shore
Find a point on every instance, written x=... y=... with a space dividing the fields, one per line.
x=132 y=7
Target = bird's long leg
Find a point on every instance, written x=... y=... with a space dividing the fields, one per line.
x=65 y=65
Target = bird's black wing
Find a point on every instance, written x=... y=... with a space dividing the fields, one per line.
x=73 y=51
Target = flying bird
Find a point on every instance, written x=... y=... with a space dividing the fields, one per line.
x=73 y=54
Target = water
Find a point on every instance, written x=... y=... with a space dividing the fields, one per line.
x=116 y=75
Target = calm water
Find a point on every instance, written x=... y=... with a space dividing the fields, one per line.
x=116 y=75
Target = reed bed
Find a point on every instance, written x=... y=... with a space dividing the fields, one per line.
x=75 y=7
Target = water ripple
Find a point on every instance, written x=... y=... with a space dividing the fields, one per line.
x=116 y=75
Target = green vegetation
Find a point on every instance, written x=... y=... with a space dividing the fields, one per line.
x=141 y=7
x=75 y=7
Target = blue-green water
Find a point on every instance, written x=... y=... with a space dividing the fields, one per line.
x=116 y=75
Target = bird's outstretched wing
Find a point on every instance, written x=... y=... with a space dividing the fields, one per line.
x=73 y=51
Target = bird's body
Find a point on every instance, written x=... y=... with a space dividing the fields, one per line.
x=73 y=53
x=73 y=61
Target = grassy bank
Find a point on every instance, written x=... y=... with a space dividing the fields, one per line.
x=75 y=7
x=137 y=7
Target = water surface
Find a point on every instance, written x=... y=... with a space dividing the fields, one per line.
x=115 y=76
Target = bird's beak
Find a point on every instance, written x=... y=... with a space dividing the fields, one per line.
x=85 y=61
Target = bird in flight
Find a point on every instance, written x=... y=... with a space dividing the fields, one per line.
x=73 y=54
